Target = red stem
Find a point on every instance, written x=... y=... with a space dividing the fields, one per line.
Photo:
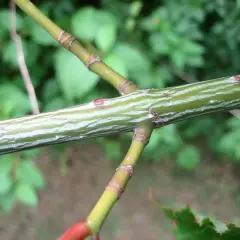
x=79 y=231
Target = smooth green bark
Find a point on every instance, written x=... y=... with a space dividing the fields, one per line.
x=120 y=114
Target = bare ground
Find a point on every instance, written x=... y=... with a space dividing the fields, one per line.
x=68 y=199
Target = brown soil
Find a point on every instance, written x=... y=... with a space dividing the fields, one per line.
x=68 y=199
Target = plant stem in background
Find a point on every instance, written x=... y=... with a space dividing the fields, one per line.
x=21 y=60
x=121 y=114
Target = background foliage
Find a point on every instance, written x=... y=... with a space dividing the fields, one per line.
x=156 y=44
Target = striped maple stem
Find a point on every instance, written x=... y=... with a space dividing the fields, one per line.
x=120 y=114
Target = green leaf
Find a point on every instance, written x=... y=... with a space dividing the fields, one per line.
x=6 y=163
x=31 y=153
x=50 y=90
x=6 y=182
x=135 y=60
x=26 y=194
x=28 y=173
x=55 y=104
x=5 y=22
x=41 y=36
x=13 y=96
x=135 y=8
x=112 y=149
x=106 y=36
x=159 y=43
x=178 y=58
x=85 y=24
x=188 y=158
x=117 y=64
x=74 y=78
x=189 y=225
x=7 y=202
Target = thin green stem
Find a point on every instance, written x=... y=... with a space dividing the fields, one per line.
x=121 y=177
x=69 y=42
x=120 y=114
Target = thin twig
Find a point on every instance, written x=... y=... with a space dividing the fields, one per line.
x=21 y=60
x=183 y=75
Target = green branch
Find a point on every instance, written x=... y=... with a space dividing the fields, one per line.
x=69 y=42
x=121 y=114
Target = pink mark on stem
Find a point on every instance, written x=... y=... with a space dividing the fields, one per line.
x=100 y=102
x=115 y=187
x=63 y=37
x=126 y=168
x=93 y=60
x=21 y=60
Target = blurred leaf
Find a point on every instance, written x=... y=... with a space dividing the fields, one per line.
x=55 y=104
x=41 y=36
x=51 y=90
x=178 y=59
x=10 y=53
x=134 y=59
x=5 y=22
x=163 y=141
x=112 y=149
x=31 y=153
x=74 y=78
x=26 y=194
x=27 y=172
x=6 y=163
x=6 y=182
x=106 y=36
x=159 y=43
x=85 y=24
x=30 y=50
x=135 y=8
x=7 y=202
x=117 y=64
x=229 y=144
x=10 y=94
x=188 y=158
x=192 y=226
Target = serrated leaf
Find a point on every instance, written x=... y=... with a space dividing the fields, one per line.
x=85 y=24
x=117 y=64
x=74 y=78
x=188 y=158
x=26 y=194
x=189 y=225
x=28 y=173
x=6 y=182
x=106 y=36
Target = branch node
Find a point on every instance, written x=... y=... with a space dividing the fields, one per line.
x=114 y=186
x=126 y=168
x=141 y=136
x=63 y=37
x=92 y=60
x=156 y=119
x=236 y=78
x=124 y=85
